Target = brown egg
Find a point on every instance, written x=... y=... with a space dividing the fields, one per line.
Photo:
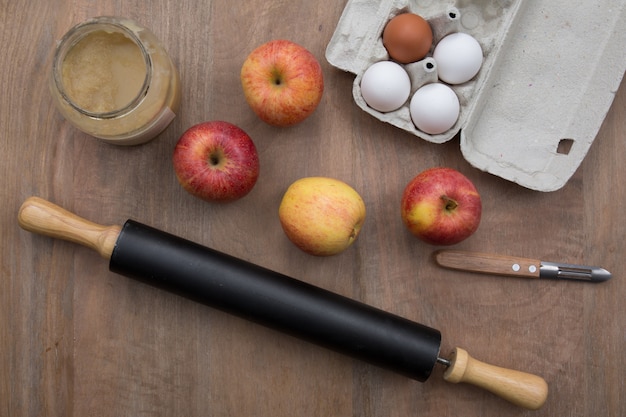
x=407 y=37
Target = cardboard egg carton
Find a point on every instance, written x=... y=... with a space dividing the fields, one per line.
x=549 y=75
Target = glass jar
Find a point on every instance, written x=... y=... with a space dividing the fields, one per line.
x=112 y=79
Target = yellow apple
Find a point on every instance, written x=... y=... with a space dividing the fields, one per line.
x=321 y=216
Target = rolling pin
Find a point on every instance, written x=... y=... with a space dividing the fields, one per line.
x=277 y=301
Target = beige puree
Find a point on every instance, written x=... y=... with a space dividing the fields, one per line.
x=104 y=72
x=113 y=79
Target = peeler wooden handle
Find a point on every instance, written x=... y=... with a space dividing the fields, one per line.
x=488 y=263
x=520 y=388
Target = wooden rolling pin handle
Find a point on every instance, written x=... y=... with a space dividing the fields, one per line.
x=42 y=217
x=520 y=388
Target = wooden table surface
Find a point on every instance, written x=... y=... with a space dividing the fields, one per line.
x=78 y=340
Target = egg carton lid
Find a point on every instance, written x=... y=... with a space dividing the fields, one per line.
x=550 y=72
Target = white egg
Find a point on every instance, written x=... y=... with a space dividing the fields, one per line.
x=459 y=58
x=434 y=108
x=385 y=86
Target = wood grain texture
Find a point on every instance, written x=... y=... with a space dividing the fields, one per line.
x=488 y=263
x=77 y=340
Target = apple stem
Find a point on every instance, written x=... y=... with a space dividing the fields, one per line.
x=450 y=203
x=277 y=78
x=215 y=158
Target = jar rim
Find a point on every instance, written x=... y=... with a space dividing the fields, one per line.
x=78 y=33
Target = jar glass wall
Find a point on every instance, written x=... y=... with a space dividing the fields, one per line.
x=112 y=79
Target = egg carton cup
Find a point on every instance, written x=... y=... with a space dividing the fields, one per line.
x=550 y=72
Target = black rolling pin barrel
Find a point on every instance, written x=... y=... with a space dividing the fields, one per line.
x=277 y=301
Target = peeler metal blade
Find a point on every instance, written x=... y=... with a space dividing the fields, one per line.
x=553 y=270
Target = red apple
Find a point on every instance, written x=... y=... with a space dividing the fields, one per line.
x=216 y=161
x=441 y=206
x=282 y=82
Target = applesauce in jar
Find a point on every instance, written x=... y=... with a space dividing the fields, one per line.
x=112 y=79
